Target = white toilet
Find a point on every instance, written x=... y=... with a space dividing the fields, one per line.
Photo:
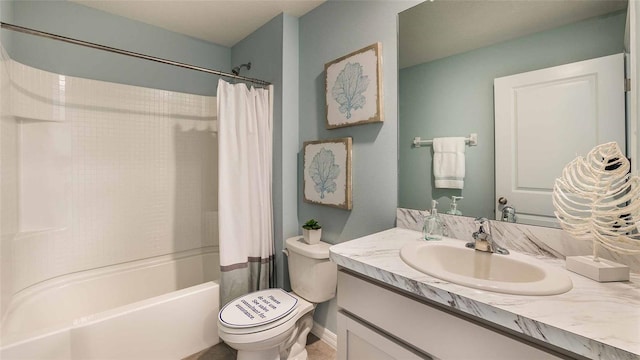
x=272 y=324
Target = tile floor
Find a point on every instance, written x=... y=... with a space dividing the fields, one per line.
x=316 y=349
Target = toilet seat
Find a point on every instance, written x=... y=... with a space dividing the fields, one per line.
x=258 y=311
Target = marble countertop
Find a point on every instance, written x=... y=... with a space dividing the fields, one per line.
x=595 y=320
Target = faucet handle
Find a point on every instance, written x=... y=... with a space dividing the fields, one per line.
x=481 y=222
x=509 y=214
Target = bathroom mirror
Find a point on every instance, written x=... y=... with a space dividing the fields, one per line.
x=450 y=52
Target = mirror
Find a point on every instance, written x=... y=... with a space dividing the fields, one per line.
x=451 y=51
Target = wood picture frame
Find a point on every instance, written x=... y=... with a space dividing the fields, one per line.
x=353 y=88
x=327 y=172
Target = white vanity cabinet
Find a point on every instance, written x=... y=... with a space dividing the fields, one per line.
x=376 y=322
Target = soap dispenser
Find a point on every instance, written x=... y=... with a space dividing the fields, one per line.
x=433 y=228
x=454 y=206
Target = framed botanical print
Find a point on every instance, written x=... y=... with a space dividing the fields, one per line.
x=353 y=87
x=327 y=172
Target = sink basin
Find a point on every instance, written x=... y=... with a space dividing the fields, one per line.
x=515 y=273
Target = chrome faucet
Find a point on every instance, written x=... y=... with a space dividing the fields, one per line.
x=483 y=241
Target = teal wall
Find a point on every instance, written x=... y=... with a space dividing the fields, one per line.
x=84 y=23
x=454 y=97
x=330 y=31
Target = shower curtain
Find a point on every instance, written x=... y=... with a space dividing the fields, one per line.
x=245 y=117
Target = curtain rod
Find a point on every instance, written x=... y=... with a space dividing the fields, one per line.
x=127 y=53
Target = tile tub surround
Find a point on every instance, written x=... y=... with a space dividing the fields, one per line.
x=595 y=320
x=131 y=173
x=527 y=239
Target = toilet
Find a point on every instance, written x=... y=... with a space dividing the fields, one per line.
x=273 y=324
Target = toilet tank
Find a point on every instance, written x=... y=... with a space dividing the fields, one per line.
x=313 y=277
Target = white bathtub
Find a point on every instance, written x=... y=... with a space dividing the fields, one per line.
x=160 y=308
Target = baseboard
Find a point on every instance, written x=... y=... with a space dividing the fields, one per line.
x=325 y=335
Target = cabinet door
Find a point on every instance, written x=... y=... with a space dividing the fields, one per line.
x=357 y=341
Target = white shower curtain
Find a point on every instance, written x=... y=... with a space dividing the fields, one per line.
x=245 y=119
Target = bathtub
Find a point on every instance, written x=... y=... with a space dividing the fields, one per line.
x=160 y=308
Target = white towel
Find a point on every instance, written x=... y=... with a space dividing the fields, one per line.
x=448 y=162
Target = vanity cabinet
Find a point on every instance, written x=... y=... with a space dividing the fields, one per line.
x=377 y=322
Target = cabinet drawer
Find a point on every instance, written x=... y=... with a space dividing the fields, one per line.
x=357 y=341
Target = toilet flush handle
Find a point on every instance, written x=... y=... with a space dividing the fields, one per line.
x=285 y=251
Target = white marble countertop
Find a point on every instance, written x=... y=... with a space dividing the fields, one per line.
x=595 y=320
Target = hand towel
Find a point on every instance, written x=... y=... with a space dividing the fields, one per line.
x=448 y=162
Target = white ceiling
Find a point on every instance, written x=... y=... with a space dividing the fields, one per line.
x=223 y=22
x=437 y=29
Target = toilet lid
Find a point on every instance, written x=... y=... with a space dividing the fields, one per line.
x=257 y=308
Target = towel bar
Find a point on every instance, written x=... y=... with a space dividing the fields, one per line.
x=472 y=140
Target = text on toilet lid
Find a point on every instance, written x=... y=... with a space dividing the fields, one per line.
x=262 y=307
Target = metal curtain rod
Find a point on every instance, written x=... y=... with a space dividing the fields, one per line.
x=127 y=53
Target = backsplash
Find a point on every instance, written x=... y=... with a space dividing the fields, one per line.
x=528 y=239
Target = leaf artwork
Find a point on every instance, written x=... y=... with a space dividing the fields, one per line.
x=323 y=171
x=597 y=199
x=348 y=88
